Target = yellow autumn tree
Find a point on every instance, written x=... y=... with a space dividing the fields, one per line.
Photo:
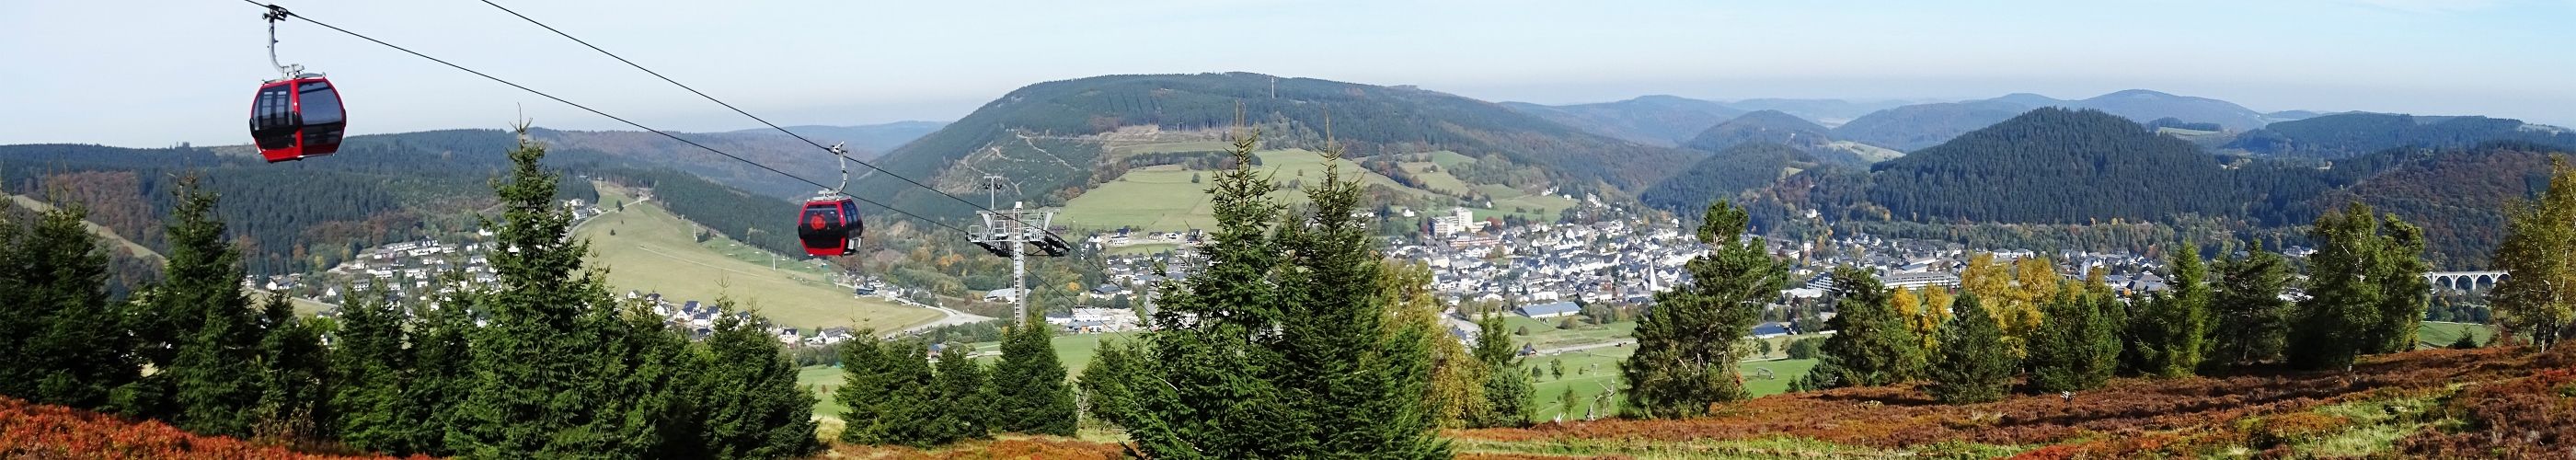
x=1910 y=305
x=2035 y=281
x=1936 y=311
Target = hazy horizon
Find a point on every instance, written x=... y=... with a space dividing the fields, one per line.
x=166 y=72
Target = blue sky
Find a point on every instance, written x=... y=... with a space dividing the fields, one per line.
x=156 y=72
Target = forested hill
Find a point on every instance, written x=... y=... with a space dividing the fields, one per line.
x=1652 y=120
x=1770 y=126
x=2054 y=166
x=2069 y=171
x=1047 y=137
x=2352 y=134
x=1727 y=173
x=292 y=216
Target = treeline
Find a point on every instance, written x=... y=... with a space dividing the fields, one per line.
x=2010 y=319
x=294 y=217
x=548 y=364
x=2347 y=135
x=763 y=222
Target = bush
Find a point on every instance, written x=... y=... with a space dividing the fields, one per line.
x=1806 y=348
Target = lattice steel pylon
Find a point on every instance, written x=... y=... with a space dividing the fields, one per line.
x=1015 y=233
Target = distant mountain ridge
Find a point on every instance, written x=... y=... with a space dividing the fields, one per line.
x=1766 y=126
x=1657 y=120
x=1049 y=136
x=873 y=139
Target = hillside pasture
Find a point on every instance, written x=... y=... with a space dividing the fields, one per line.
x=646 y=248
x=1162 y=198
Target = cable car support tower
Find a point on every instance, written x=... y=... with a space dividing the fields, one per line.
x=1014 y=233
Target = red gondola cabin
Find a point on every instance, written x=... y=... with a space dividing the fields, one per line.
x=830 y=226
x=297 y=118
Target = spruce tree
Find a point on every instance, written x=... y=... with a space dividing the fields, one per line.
x=560 y=370
x=1973 y=366
x=2539 y=249
x=868 y=385
x=296 y=368
x=1509 y=394
x=748 y=400
x=1871 y=345
x=1028 y=390
x=441 y=376
x=1279 y=347
x=369 y=366
x=61 y=342
x=2250 y=320
x=212 y=379
x=1105 y=384
x=962 y=389
x=1688 y=347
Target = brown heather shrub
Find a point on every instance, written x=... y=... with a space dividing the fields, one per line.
x=2129 y=417
x=2532 y=417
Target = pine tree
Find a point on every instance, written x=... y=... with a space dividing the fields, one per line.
x=2404 y=293
x=1508 y=391
x=2169 y=331
x=210 y=383
x=748 y=399
x=1688 y=348
x=2366 y=289
x=1973 y=365
x=962 y=389
x=2250 y=320
x=2077 y=347
x=1028 y=390
x=2539 y=249
x=61 y=342
x=1871 y=345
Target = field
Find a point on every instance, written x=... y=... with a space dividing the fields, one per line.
x=2438 y=335
x=1590 y=372
x=1170 y=147
x=1164 y=198
x=646 y=248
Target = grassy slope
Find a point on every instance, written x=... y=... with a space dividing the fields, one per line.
x=652 y=250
